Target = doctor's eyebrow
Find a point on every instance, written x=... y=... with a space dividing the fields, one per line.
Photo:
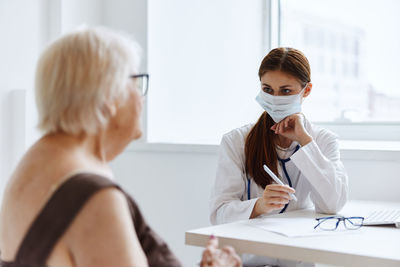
x=283 y=86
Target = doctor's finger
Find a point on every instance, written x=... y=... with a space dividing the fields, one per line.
x=276 y=127
x=276 y=186
x=276 y=191
x=271 y=194
x=279 y=128
x=277 y=200
x=281 y=188
x=275 y=206
x=285 y=122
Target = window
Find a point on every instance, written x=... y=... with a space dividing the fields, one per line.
x=203 y=63
x=353 y=48
x=204 y=58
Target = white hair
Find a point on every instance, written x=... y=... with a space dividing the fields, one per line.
x=78 y=75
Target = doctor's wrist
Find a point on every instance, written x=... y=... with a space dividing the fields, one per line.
x=304 y=140
x=256 y=209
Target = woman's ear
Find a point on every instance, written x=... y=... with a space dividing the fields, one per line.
x=110 y=109
x=307 y=90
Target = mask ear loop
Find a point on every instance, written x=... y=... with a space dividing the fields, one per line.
x=304 y=88
x=302 y=92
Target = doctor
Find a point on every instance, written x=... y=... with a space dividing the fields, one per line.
x=304 y=156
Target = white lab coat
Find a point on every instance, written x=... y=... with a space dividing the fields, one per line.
x=316 y=172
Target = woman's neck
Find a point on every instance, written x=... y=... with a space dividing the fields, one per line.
x=90 y=146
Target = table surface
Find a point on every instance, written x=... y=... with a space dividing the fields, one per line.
x=369 y=246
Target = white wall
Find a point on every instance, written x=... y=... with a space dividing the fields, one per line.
x=19 y=49
x=172 y=190
x=173 y=187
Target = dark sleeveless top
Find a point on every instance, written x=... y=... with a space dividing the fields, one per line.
x=61 y=209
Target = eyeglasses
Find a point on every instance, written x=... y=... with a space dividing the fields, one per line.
x=141 y=82
x=331 y=223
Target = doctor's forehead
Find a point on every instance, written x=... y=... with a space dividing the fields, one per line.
x=278 y=79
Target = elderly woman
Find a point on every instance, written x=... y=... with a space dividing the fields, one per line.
x=61 y=206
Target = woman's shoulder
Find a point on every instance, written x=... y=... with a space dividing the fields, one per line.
x=61 y=201
x=233 y=143
x=234 y=140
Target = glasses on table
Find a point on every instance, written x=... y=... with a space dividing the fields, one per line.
x=141 y=83
x=331 y=223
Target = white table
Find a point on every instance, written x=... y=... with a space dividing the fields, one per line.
x=372 y=246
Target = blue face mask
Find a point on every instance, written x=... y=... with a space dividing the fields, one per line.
x=279 y=107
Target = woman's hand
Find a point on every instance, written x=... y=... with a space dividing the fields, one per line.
x=292 y=127
x=215 y=257
x=275 y=197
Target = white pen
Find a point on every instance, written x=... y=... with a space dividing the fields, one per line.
x=277 y=180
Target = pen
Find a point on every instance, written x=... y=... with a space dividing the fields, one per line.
x=277 y=180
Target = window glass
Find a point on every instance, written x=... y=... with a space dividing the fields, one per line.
x=353 y=49
x=203 y=63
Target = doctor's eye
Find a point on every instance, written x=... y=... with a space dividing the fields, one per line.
x=286 y=91
x=268 y=90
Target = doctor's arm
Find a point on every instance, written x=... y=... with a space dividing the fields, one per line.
x=228 y=197
x=319 y=161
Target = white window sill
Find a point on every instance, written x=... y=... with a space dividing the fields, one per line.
x=370 y=150
x=370 y=145
x=350 y=149
x=175 y=148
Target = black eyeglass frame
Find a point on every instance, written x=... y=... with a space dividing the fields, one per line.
x=142 y=75
x=339 y=219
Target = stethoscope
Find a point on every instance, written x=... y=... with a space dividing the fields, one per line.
x=283 y=162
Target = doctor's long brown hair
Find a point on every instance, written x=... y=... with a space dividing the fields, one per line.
x=260 y=145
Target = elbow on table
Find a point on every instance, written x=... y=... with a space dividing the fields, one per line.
x=218 y=216
x=332 y=208
x=215 y=216
x=333 y=201
x=328 y=210
x=213 y=219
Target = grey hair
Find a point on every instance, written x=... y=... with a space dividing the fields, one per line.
x=78 y=75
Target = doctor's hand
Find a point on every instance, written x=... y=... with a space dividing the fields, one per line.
x=214 y=257
x=275 y=197
x=292 y=127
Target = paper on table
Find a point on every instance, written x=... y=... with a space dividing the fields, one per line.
x=294 y=226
